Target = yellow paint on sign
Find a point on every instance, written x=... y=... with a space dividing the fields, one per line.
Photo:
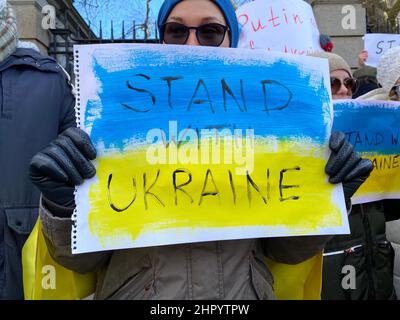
x=216 y=197
x=385 y=178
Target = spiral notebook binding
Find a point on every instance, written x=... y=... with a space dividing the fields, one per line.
x=80 y=125
x=77 y=88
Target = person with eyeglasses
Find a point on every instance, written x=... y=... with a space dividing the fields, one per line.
x=366 y=248
x=343 y=85
x=209 y=270
x=388 y=75
x=212 y=32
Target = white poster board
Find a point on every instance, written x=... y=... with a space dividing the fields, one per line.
x=278 y=25
x=377 y=44
x=162 y=177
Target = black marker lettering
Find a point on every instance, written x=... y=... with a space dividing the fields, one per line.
x=112 y=205
x=282 y=186
x=284 y=106
x=193 y=101
x=209 y=193
x=250 y=182
x=180 y=186
x=169 y=81
x=147 y=191
x=153 y=98
x=226 y=89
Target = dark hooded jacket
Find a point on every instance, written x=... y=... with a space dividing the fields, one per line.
x=36 y=104
x=366 y=251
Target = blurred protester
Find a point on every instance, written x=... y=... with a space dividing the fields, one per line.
x=366 y=249
x=36 y=105
x=392 y=213
x=343 y=85
x=388 y=75
x=366 y=77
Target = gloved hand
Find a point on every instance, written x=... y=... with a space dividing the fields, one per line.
x=63 y=165
x=346 y=166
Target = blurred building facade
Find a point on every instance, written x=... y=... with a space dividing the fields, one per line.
x=346 y=22
x=51 y=25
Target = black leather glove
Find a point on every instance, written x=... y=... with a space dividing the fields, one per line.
x=63 y=165
x=346 y=166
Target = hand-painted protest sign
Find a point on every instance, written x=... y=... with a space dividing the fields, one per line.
x=278 y=25
x=373 y=127
x=377 y=44
x=198 y=144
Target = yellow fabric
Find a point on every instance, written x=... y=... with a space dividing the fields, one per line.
x=45 y=279
x=298 y=282
x=291 y=282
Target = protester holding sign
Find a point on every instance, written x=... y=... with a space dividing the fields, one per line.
x=388 y=75
x=362 y=58
x=210 y=270
x=343 y=85
x=365 y=249
x=376 y=45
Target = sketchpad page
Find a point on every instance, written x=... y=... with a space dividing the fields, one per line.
x=279 y=25
x=199 y=144
x=373 y=128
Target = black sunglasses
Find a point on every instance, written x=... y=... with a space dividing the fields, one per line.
x=210 y=34
x=350 y=84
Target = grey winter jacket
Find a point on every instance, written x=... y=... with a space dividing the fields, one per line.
x=208 y=270
x=36 y=104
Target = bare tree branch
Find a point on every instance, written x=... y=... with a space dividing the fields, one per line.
x=383 y=11
x=146 y=20
x=139 y=10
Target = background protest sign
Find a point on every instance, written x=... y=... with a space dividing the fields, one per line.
x=199 y=143
x=278 y=25
x=373 y=127
x=377 y=44
x=238 y=3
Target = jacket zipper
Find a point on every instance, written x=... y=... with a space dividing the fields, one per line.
x=347 y=251
x=369 y=253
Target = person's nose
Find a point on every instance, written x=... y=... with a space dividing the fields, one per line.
x=343 y=91
x=192 y=40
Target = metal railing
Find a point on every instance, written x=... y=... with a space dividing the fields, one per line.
x=63 y=40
